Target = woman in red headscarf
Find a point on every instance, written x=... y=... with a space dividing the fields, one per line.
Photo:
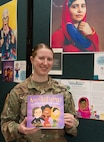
x=75 y=34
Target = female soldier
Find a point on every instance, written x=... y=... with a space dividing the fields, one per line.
x=14 y=115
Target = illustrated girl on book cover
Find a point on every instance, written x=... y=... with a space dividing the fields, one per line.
x=37 y=113
x=46 y=115
x=55 y=113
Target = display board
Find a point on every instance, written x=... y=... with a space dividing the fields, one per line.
x=75 y=66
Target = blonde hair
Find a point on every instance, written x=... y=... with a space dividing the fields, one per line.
x=40 y=46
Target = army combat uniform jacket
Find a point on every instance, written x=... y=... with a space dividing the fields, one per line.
x=15 y=110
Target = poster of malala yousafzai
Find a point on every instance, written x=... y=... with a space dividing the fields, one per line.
x=77 y=25
x=8 y=30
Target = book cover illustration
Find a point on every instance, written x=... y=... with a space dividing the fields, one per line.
x=8 y=71
x=14 y=71
x=19 y=71
x=45 y=111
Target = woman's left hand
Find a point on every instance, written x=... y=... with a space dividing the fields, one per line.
x=69 y=120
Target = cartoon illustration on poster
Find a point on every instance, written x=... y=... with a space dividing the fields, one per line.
x=19 y=71
x=8 y=30
x=88 y=97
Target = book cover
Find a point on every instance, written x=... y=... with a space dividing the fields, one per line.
x=8 y=71
x=14 y=71
x=45 y=111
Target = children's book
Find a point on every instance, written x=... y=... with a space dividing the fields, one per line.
x=45 y=111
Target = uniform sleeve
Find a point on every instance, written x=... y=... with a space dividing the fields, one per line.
x=70 y=108
x=10 y=117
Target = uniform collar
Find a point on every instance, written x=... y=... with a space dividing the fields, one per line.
x=38 y=85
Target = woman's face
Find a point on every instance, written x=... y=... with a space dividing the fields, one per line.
x=78 y=10
x=83 y=105
x=43 y=61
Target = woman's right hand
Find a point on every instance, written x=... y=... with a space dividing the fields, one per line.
x=85 y=28
x=24 y=130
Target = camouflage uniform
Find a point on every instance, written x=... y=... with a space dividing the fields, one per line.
x=15 y=111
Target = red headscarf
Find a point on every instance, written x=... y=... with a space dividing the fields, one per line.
x=66 y=18
x=86 y=112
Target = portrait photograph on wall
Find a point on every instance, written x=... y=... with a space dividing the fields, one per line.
x=8 y=30
x=77 y=25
